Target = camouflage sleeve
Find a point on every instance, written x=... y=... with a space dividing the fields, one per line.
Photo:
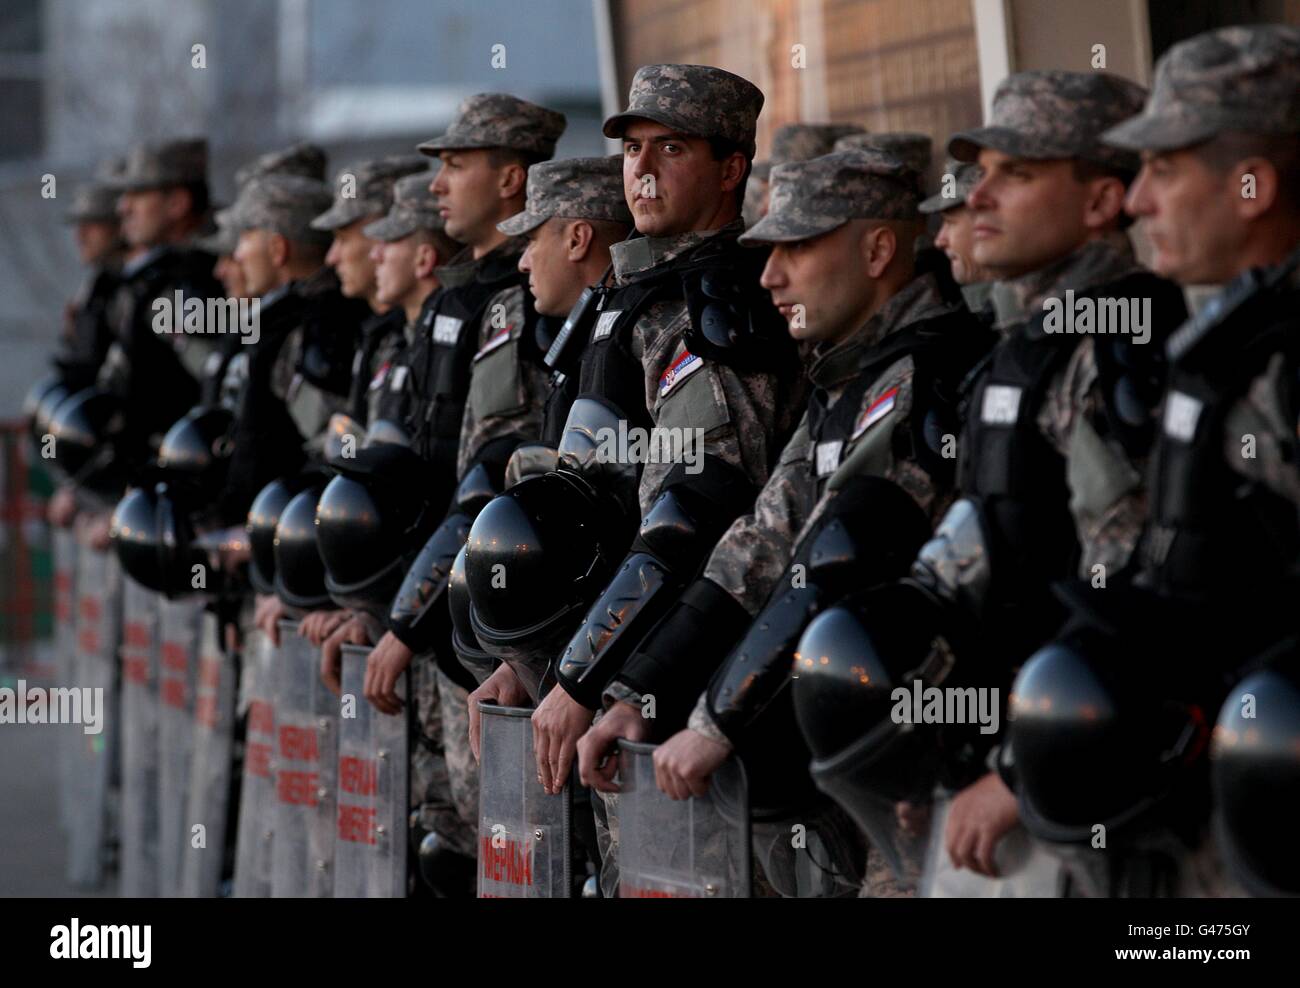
x=737 y=415
x=755 y=551
x=1258 y=441
x=507 y=394
x=1107 y=496
x=701 y=722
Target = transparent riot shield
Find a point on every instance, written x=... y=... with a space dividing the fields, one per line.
x=306 y=759
x=98 y=624
x=1026 y=869
x=257 y=786
x=370 y=839
x=523 y=833
x=681 y=849
x=177 y=661
x=139 y=654
x=65 y=664
x=209 y=779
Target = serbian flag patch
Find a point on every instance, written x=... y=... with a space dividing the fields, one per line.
x=876 y=411
x=678 y=371
x=501 y=337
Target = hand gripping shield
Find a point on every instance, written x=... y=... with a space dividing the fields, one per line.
x=210 y=769
x=306 y=758
x=370 y=839
x=140 y=641
x=257 y=786
x=681 y=849
x=1026 y=869
x=177 y=661
x=65 y=664
x=98 y=627
x=523 y=833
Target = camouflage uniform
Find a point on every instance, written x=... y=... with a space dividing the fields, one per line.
x=791 y=142
x=912 y=149
x=956 y=183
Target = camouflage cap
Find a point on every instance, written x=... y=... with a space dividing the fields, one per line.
x=801 y=141
x=965 y=176
x=911 y=148
x=96 y=200
x=1047 y=114
x=158 y=166
x=224 y=239
x=304 y=159
x=580 y=188
x=813 y=197
x=698 y=100
x=1236 y=78
x=414 y=208
x=365 y=188
x=283 y=204
x=499 y=120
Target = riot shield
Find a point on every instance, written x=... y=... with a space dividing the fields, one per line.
x=370 y=841
x=306 y=759
x=523 y=833
x=139 y=653
x=209 y=779
x=257 y=786
x=177 y=659
x=681 y=849
x=1026 y=869
x=65 y=664
x=98 y=625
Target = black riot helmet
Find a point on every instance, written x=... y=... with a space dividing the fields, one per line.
x=195 y=452
x=156 y=544
x=263 y=516
x=471 y=654
x=39 y=402
x=299 y=572
x=183 y=562
x=535 y=558
x=134 y=535
x=84 y=426
x=1255 y=779
x=1093 y=740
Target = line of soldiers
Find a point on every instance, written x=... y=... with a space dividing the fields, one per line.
x=964 y=444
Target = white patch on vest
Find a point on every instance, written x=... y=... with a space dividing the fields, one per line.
x=397 y=378
x=1182 y=412
x=212 y=365
x=605 y=324
x=446 y=329
x=683 y=367
x=876 y=411
x=1001 y=404
x=828 y=457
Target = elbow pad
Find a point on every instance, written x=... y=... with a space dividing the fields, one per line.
x=868 y=535
x=675 y=539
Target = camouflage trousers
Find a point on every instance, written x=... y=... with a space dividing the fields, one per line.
x=444 y=789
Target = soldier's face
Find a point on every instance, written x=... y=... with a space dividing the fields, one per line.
x=253 y=255
x=819 y=284
x=231 y=275
x=145 y=217
x=956 y=238
x=95 y=240
x=554 y=280
x=349 y=256
x=395 y=276
x=1188 y=213
x=1027 y=213
x=672 y=183
x=469 y=191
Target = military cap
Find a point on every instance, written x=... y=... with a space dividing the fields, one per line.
x=96 y=200
x=911 y=148
x=283 y=204
x=965 y=176
x=813 y=197
x=1046 y=114
x=577 y=188
x=414 y=208
x=224 y=239
x=499 y=120
x=158 y=166
x=304 y=159
x=697 y=100
x=1237 y=78
x=366 y=188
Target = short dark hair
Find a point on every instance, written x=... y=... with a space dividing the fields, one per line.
x=1085 y=171
x=1225 y=149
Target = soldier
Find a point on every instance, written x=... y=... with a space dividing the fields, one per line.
x=482 y=388
x=842 y=270
x=1217 y=198
x=956 y=236
x=913 y=149
x=791 y=142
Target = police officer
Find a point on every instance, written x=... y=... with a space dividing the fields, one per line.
x=791 y=142
x=842 y=228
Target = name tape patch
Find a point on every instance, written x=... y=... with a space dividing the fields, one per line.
x=1182 y=412
x=446 y=329
x=605 y=324
x=1001 y=405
